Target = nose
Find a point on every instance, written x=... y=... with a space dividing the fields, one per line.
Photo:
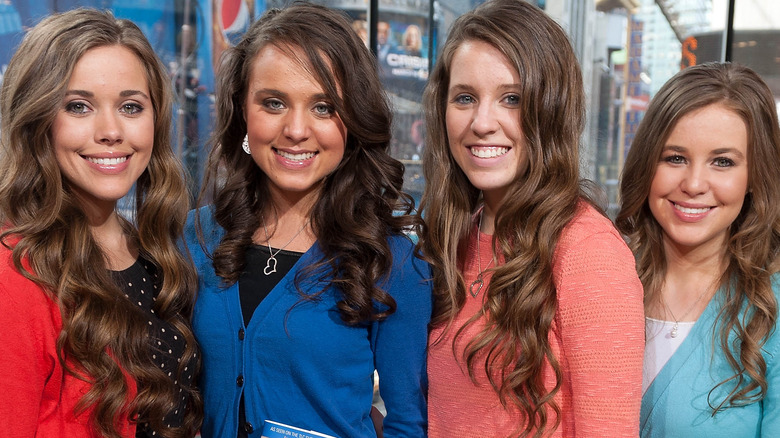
x=695 y=181
x=108 y=128
x=485 y=121
x=296 y=127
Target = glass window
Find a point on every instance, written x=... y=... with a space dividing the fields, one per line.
x=627 y=50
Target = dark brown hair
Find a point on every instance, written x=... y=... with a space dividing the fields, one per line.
x=753 y=248
x=43 y=218
x=521 y=300
x=353 y=215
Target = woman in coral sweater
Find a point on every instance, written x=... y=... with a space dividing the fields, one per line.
x=538 y=321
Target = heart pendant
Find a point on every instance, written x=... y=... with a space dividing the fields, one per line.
x=478 y=283
x=270 y=268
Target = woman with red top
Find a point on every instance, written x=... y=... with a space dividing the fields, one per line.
x=95 y=339
x=538 y=321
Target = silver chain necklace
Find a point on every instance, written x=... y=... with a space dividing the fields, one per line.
x=479 y=282
x=673 y=333
x=270 y=268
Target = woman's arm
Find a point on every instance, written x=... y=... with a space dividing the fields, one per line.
x=400 y=344
x=601 y=325
x=770 y=421
x=27 y=354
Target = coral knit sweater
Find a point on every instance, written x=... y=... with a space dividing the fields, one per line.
x=37 y=396
x=597 y=336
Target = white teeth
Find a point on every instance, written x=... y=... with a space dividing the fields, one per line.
x=691 y=210
x=107 y=161
x=488 y=152
x=296 y=157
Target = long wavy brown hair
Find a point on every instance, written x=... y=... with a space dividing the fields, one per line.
x=521 y=300
x=44 y=225
x=753 y=248
x=354 y=213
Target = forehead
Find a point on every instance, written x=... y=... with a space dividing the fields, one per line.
x=109 y=66
x=479 y=62
x=713 y=127
x=286 y=64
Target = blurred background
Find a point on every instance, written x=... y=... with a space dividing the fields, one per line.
x=627 y=50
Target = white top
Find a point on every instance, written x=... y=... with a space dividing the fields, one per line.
x=660 y=346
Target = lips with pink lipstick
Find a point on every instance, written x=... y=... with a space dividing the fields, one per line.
x=294 y=159
x=690 y=212
x=108 y=163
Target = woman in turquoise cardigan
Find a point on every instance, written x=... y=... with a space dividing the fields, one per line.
x=307 y=281
x=701 y=210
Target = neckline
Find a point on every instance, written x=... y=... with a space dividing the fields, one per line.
x=129 y=268
x=669 y=322
x=264 y=250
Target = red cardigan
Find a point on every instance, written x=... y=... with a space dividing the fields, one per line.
x=38 y=395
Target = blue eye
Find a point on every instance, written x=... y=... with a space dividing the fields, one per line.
x=463 y=99
x=274 y=104
x=323 y=109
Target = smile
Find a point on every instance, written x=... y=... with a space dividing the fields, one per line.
x=687 y=210
x=295 y=157
x=107 y=161
x=489 y=151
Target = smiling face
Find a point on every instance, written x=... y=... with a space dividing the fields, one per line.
x=483 y=119
x=103 y=133
x=701 y=179
x=295 y=135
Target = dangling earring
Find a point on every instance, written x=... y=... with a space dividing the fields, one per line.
x=245 y=145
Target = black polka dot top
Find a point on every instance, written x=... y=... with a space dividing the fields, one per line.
x=140 y=283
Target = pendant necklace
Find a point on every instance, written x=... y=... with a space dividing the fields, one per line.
x=673 y=332
x=270 y=265
x=479 y=282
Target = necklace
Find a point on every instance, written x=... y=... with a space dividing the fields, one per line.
x=479 y=282
x=270 y=267
x=673 y=332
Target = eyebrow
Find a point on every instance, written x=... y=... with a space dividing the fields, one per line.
x=469 y=88
x=256 y=97
x=124 y=93
x=128 y=93
x=718 y=151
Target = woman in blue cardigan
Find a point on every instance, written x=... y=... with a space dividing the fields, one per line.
x=701 y=192
x=307 y=281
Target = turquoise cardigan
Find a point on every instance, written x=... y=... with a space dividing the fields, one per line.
x=676 y=403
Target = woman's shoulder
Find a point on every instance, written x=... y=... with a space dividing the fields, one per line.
x=201 y=223
x=590 y=231
x=408 y=267
x=772 y=345
x=404 y=250
x=203 y=215
x=591 y=248
x=587 y=221
x=775 y=279
x=19 y=295
x=400 y=243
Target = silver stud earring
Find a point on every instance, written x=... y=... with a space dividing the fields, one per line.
x=245 y=145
